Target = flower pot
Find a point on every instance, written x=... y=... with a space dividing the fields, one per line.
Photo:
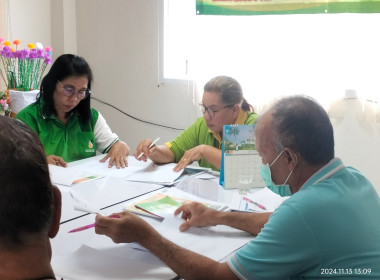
x=21 y=99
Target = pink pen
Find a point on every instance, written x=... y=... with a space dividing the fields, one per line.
x=90 y=225
x=255 y=203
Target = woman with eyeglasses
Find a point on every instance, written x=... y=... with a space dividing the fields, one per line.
x=222 y=103
x=67 y=126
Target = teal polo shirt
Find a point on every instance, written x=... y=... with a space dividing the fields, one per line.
x=72 y=141
x=329 y=229
x=199 y=134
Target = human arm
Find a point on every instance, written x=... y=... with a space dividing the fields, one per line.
x=196 y=214
x=108 y=142
x=198 y=143
x=117 y=155
x=209 y=153
x=187 y=264
x=158 y=154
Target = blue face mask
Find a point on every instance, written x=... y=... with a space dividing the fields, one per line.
x=282 y=190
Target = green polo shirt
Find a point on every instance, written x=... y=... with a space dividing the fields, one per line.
x=71 y=142
x=199 y=134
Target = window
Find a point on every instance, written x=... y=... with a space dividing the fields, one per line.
x=321 y=55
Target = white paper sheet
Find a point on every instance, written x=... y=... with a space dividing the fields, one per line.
x=156 y=174
x=97 y=167
x=91 y=264
x=214 y=242
x=81 y=204
x=62 y=175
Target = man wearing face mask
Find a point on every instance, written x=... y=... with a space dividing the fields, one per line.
x=328 y=229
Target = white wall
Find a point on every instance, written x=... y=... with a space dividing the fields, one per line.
x=120 y=39
x=29 y=21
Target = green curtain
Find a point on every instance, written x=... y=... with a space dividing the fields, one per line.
x=266 y=7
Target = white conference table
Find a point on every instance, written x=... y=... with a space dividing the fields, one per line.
x=85 y=255
x=102 y=193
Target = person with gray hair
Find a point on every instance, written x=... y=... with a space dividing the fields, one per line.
x=328 y=229
x=30 y=206
x=222 y=103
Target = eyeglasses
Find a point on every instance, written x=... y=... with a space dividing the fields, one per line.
x=70 y=91
x=211 y=111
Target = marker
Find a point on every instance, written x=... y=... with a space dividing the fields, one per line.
x=255 y=203
x=90 y=225
x=150 y=146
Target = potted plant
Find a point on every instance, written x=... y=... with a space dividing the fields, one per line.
x=22 y=71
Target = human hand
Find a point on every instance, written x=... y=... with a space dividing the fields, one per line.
x=56 y=160
x=126 y=229
x=195 y=214
x=117 y=155
x=144 y=149
x=189 y=157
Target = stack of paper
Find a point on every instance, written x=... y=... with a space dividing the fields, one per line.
x=92 y=169
x=156 y=174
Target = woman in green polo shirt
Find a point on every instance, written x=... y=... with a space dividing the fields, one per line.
x=67 y=126
x=222 y=103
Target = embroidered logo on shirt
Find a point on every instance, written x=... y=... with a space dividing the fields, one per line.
x=90 y=145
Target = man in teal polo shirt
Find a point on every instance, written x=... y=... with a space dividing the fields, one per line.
x=328 y=229
x=222 y=103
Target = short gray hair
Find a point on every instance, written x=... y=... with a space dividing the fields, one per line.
x=301 y=124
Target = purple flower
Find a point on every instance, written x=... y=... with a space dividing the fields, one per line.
x=40 y=53
x=33 y=54
x=7 y=52
x=48 y=60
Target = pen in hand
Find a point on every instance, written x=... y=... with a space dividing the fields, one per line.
x=150 y=146
x=90 y=225
x=255 y=203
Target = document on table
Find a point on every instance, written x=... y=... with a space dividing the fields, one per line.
x=215 y=242
x=264 y=197
x=164 y=203
x=156 y=174
x=97 y=167
x=88 y=263
x=81 y=204
x=62 y=175
x=93 y=169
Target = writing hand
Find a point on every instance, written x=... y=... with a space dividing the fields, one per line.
x=145 y=149
x=128 y=228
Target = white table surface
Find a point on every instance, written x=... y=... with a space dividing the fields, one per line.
x=85 y=255
x=102 y=193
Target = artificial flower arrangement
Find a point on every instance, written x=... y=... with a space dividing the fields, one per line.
x=23 y=69
x=5 y=109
